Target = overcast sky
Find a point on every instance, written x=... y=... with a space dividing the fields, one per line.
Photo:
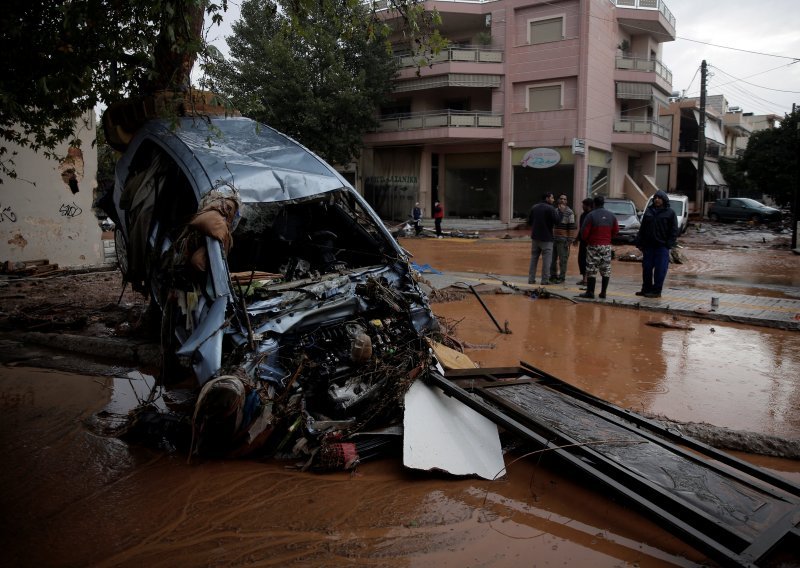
x=757 y=83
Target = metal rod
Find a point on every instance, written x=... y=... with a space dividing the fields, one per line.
x=500 y=329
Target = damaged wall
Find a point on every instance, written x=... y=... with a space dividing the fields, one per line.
x=46 y=212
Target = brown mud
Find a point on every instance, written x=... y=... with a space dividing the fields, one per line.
x=73 y=498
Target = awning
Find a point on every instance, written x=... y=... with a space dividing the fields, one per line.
x=711 y=173
x=641 y=91
x=713 y=129
x=449 y=80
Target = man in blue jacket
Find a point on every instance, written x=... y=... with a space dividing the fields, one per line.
x=658 y=233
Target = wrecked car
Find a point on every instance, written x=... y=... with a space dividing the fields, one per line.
x=291 y=323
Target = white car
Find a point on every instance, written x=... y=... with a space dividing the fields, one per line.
x=680 y=204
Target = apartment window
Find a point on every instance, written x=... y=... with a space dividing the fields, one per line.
x=545 y=97
x=545 y=30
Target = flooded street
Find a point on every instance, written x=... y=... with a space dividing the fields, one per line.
x=729 y=375
x=736 y=376
x=72 y=497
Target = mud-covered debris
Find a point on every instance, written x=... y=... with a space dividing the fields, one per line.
x=290 y=320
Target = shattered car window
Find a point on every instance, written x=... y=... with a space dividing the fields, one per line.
x=291 y=323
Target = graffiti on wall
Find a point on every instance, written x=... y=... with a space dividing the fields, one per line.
x=6 y=214
x=70 y=210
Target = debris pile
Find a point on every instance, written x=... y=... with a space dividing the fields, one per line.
x=29 y=268
x=291 y=322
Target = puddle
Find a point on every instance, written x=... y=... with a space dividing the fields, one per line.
x=728 y=375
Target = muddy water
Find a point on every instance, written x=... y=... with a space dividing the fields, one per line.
x=71 y=498
x=728 y=375
x=741 y=270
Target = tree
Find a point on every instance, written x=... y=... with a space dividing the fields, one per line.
x=60 y=59
x=770 y=160
x=317 y=73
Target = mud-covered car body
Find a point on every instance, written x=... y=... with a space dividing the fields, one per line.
x=309 y=317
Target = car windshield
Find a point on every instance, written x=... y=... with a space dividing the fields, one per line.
x=676 y=206
x=744 y=201
x=621 y=207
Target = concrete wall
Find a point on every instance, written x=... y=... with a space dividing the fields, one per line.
x=41 y=217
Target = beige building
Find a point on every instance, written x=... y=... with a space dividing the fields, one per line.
x=46 y=212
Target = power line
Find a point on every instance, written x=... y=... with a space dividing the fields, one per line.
x=761 y=73
x=794 y=59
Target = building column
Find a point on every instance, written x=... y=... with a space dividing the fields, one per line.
x=506 y=183
x=425 y=182
x=580 y=178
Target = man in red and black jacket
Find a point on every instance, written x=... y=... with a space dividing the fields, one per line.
x=599 y=227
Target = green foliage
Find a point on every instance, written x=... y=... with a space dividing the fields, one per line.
x=60 y=59
x=771 y=160
x=315 y=71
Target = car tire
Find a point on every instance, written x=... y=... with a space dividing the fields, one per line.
x=755 y=218
x=121 y=250
x=714 y=217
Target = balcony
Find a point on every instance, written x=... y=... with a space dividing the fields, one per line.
x=469 y=54
x=437 y=127
x=627 y=63
x=650 y=16
x=641 y=134
x=441 y=119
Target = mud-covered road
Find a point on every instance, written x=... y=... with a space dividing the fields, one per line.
x=71 y=497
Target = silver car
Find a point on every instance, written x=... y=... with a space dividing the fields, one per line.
x=625 y=212
x=288 y=312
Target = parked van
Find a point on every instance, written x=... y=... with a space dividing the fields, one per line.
x=680 y=204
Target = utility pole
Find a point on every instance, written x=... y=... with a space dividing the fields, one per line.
x=796 y=204
x=701 y=142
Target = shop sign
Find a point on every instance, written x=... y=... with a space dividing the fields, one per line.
x=541 y=158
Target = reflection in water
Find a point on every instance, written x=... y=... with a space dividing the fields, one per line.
x=724 y=374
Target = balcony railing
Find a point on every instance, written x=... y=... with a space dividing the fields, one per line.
x=647 y=5
x=469 y=54
x=642 y=126
x=384 y=4
x=440 y=119
x=641 y=64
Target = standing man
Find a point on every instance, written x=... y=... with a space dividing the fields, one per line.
x=599 y=227
x=587 y=205
x=563 y=236
x=542 y=219
x=438 y=215
x=657 y=234
x=416 y=216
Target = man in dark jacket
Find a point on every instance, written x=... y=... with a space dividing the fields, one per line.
x=599 y=227
x=657 y=234
x=542 y=219
x=587 y=205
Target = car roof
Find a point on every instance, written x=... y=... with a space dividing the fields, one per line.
x=263 y=164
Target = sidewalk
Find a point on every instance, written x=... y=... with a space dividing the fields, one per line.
x=778 y=313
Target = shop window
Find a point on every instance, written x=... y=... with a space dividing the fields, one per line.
x=546 y=30
x=545 y=97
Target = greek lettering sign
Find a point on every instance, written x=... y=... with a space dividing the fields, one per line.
x=540 y=158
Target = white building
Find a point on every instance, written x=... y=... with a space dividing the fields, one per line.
x=46 y=212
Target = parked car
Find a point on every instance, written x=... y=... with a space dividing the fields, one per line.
x=742 y=209
x=286 y=306
x=680 y=204
x=625 y=212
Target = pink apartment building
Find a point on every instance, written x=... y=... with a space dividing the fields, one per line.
x=531 y=96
